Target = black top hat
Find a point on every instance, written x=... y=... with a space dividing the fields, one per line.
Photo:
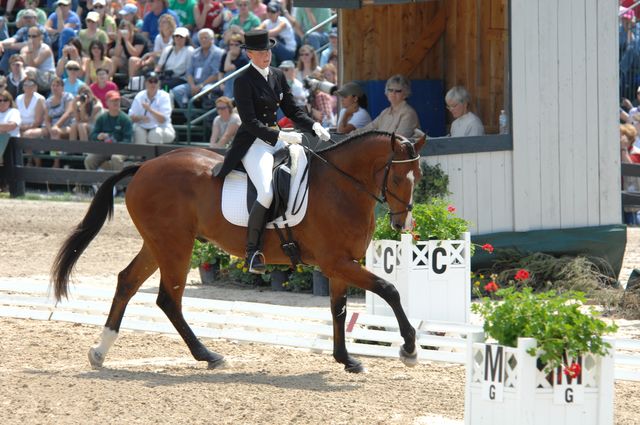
x=258 y=40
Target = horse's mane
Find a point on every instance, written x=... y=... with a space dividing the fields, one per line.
x=350 y=139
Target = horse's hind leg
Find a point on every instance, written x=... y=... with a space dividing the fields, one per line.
x=129 y=281
x=172 y=281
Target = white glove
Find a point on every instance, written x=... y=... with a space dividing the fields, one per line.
x=291 y=137
x=321 y=132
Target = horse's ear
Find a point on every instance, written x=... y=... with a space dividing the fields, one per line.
x=393 y=142
x=420 y=143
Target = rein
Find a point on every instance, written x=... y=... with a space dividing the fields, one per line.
x=381 y=200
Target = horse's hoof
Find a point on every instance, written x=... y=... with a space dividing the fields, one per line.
x=217 y=363
x=409 y=359
x=355 y=368
x=95 y=358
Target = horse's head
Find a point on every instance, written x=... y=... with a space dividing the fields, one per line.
x=401 y=174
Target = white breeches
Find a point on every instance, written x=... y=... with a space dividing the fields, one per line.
x=258 y=161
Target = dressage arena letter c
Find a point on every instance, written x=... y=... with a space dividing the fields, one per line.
x=388 y=265
x=440 y=251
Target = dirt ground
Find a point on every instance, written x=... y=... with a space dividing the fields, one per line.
x=45 y=377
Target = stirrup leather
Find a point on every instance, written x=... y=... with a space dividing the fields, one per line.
x=256 y=263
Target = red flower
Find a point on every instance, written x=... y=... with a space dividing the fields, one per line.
x=522 y=274
x=451 y=208
x=488 y=247
x=573 y=371
x=416 y=237
x=491 y=287
x=413 y=224
x=207 y=266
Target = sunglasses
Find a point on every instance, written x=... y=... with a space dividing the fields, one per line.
x=449 y=107
x=4 y=100
x=153 y=81
x=221 y=108
x=34 y=35
x=73 y=69
x=394 y=90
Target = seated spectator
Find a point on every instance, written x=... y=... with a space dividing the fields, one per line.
x=10 y=119
x=129 y=13
x=106 y=22
x=230 y=10
x=31 y=5
x=92 y=33
x=202 y=71
x=16 y=76
x=184 y=10
x=226 y=123
x=399 y=117
x=466 y=123
x=353 y=114
x=297 y=89
x=150 y=24
x=14 y=44
x=148 y=61
x=103 y=86
x=333 y=47
x=306 y=18
x=38 y=59
x=86 y=111
x=232 y=60
x=73 y=83
x=330 y=73
x=279 y=28
x=258 y=8
x=32 y=110
x=307 y=62
x=62 y=25
x=628 y=133
x=245 y=19
x=174 y=61
x=58 y=115
x=321 y=103
x=208 y=14
x=71 y=52
x=151 y=113
x=111 y=126
x=95 y=60
x=129 y=44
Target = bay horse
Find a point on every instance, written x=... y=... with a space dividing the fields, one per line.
x=174 y=199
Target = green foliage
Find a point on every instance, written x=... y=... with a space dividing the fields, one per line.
x=208 y=253
x=270 y=268
x=238 y=271
x=433 y=184
x=435 y=220
x=554 y=320
x=301 y=280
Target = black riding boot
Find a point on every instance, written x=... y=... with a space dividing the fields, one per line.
x=255 y=228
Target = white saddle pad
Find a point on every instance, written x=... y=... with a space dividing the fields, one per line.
x=234 y=194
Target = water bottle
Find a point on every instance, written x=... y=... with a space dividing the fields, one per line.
x=504 y=122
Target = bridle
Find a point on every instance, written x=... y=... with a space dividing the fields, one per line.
x=385 y=180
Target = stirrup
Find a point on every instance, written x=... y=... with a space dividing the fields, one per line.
x=256 y=263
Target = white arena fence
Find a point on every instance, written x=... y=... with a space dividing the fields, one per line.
x=301 y=327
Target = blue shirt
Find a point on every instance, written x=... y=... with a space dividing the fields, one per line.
x=71 y=19
x=150 y=22
x=73 y=88
x=209 y=65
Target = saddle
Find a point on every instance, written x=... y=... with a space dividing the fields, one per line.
x=290 y=189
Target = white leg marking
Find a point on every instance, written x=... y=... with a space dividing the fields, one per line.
x=99 y=352
x=408 y=221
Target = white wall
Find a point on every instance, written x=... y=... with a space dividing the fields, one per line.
x=564 y=170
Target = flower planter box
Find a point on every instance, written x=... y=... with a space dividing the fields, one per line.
x=506 y=385
x=433 y=277
x=209 y=273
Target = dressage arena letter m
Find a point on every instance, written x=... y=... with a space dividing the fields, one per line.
x=493 y=379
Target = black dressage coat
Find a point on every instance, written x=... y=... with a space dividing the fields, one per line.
x=257 y=101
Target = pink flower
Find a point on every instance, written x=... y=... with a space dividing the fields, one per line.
x=521 y=275
x=451 y=208
x=488 y=247
x=491 y=287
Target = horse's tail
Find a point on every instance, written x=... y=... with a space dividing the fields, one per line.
x=101 y=207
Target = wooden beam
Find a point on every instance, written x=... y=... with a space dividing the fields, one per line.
x=422 y=44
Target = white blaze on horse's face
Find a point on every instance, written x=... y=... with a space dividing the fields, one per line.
x=408 y=221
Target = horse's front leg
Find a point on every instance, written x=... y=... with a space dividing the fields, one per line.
x=338 y=293
x=351 y=271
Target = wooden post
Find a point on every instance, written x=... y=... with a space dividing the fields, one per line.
x=526 y=391
x=15 y=160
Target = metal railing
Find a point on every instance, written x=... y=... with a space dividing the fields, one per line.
x=190 y=105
